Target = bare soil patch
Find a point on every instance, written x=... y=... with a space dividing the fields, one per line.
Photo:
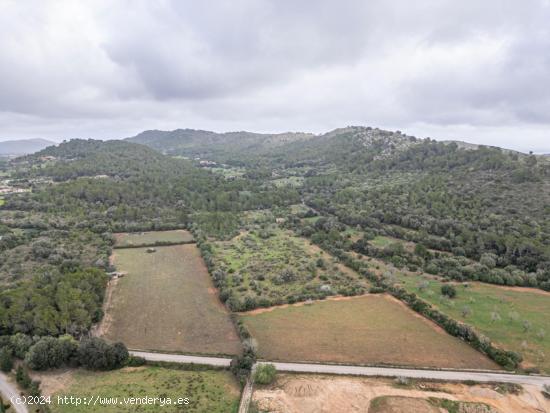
x=300 y=393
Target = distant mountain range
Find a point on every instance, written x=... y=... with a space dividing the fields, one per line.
x=23 y=146
x=207 y=144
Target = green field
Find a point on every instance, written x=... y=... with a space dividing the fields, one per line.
x=207 y=391
x=372 y=329
x=2 y=201
x=167 y=302
x=133 y=239
x=275 y=266
x=517 y=319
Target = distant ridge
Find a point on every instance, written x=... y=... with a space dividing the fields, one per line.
x=24 y=146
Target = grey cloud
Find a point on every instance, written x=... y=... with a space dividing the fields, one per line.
x=109 y=69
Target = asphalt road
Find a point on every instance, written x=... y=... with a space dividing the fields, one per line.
x=362 y=371
x=413 y=373
x=8 y=391
x=180 y=358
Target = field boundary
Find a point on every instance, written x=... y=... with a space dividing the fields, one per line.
x=153 y=244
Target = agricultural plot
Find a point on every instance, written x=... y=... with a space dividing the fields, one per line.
x=300 y=393
x=207 y=391
x=145 y=239
x=372 y=329
x=166 y=302
x=515 y=318
x=270 y=266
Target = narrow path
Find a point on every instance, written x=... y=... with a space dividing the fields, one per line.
x=448 y=375
x=246 y=396
x=9 y=391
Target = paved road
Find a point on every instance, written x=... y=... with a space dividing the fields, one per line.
x=362 y=371
x=8 y=391
x=180 y=358
x=412 y=373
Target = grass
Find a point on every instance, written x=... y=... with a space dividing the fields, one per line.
x=207 y=391
x=517 y=319
x=2 y=202
x=255 y=260
x=167 y=302
x=132 y=239
x=372 y=329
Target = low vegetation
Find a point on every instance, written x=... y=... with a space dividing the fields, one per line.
x=513 y=318
x=265 y=374
x=371 y=329
x=204 y=391
x=152 y=238
x=166 y=301
x=270 y=266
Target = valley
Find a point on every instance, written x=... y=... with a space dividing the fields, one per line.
x=330 y=249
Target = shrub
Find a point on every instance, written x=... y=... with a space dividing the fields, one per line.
x=6 y=360
x=96 y=354
x=20 y=344
x=135 y=361
x=47 y=353
x=448 y=290
x=265 y=374
x=22 y=377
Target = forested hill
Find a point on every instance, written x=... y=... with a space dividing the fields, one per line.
x=80 y=157
x=215 y=146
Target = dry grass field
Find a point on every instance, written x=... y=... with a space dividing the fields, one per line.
x=167 y=302
x=372 y=329
x=143 y=239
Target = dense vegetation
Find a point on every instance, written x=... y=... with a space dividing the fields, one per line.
x=467 y=213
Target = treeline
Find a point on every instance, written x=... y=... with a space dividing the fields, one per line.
x=507 y=359
x=510 y=224
x=53 y=303
x=44 y=353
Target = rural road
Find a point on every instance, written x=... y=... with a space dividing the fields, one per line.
x=180 y=358
x=8 y=390
x=361 y=371
x=412 y=373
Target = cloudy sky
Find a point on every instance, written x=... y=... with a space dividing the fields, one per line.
x=472 y=70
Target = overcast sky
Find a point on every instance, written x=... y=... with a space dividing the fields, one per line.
x=472 y=70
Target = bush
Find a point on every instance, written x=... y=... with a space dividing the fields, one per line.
x=96 y=354
x=47 y=353
x=135 y=361
x=448 y=290
x=265 y=374
x=20 y=344
x=22 y=377
x=6 y=360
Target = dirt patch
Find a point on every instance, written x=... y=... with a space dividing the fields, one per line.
x=330 y=394
x=522 y=289
x=54 y=381
x=399 y=404
x=301 y=303
x=103 y=326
